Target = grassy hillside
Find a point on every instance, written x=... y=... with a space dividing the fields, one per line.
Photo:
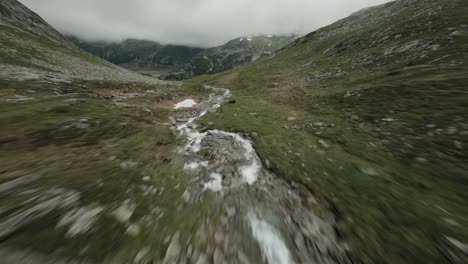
x=86 y=149
x=371 y=114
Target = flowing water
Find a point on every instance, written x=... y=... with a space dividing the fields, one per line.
x=263 y=219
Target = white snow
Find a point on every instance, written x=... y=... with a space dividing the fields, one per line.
x=187 y=103
x=273 y=248
x=216 y=183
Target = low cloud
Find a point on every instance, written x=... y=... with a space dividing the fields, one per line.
x=191 y=22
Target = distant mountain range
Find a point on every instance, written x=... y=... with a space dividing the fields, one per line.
x=177 y=62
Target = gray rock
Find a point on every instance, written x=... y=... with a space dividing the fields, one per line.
x=128 y=164
x=173 y=251
x=124 y=212
x=292 y=118
x=219 y=237
x=369 y=171
x=81 y=220
x=242 y=258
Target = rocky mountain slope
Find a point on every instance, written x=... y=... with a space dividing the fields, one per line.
x=371 y=115
x=32 y=49
x=174 y=62
x=146 y=57
x=233 y=54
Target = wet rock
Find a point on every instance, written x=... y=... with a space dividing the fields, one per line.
x=230 y=211
x=173 y=120
x=292 y=118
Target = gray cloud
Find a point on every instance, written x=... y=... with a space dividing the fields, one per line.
x=191 y=22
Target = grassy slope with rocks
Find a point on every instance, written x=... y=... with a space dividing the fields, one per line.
x=86 y=166
x=106 y=142
x=31 y=49
x=371 y=114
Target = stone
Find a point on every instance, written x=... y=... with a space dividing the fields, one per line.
x=323 y=143
x=242 y=258
x=292 y=118
x=173 y=120
x=133 y=230
x=140 y=257
x=388 y=120
x=230 y=211
x=369 y=171
x=202 y=259
x=219 y=237
x=146 y=179
x=128 y=164
x=186 y=196
x=81 y=220
x=218 y=256
x=421 y=160
x=173 y=251
x=124 y=212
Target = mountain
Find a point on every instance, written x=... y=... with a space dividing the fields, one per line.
x=370 y=114
x=143 y=56
x=28 y=42
x=234 y=53
x=173 y=62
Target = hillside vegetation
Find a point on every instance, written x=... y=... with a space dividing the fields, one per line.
x=371 y=114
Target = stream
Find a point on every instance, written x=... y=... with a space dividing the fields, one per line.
x=261 y=218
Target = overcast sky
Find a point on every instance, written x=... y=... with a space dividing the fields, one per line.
x=191 y=22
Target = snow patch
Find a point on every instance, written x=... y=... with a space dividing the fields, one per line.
x=187 y=103
x=273 y=248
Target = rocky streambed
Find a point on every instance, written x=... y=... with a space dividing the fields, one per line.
x=260 y=218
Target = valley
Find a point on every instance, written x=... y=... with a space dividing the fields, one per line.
x=346 y=145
